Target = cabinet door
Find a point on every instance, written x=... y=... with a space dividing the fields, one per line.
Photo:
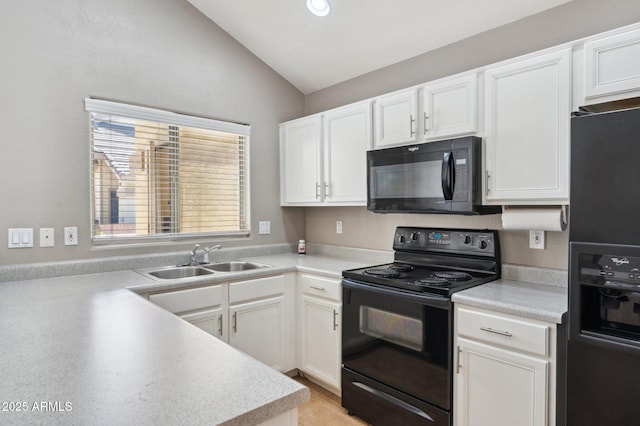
x=258 y=328
x=300 y=162
x=395 y=119
x=528 y=106
x=499 y=388
x=212 y=321
x=347 y=137
x=450 y=107
x=321 y=348
x=612 y=65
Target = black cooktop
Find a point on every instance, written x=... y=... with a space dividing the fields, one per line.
x=436 y=261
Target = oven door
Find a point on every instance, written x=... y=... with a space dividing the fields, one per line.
x=398 y=339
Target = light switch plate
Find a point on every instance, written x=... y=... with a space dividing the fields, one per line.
x=338 y=227
x=70 y=236
x=264 y=227
x=20 y=238
x=46 y=237
x=536 y=240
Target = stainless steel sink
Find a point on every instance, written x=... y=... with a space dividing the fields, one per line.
x=234 y=266
x=177 y=272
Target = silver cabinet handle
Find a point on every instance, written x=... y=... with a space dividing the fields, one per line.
x=317 y=190
x=235 y=322
x=317 y=288
x=411 y=121
x=326 y=189
x=335 y=323
x=220 y=325
x=426 y=129
x=491 y=330
x=458 y=363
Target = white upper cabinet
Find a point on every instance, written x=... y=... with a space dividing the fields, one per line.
x=527 y=118
x=395 y=119
x=323 y=157
x=300 y=161
x=612 y=65
x=347 y=137
x=450 y=107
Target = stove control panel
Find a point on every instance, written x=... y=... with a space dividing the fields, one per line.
x=471 y=242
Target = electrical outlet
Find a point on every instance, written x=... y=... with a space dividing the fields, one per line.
x=70 y=236
x=46 y=237
x=338 y=227
x=536 y=240
x=264 y=227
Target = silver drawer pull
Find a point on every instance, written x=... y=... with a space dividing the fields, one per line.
x=317 y=288
x=491 y=330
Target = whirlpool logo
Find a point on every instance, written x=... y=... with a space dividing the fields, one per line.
x=413 y=148
x=619 y=262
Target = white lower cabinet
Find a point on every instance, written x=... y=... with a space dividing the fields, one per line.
x=319 y=319
x=204 y=307
x=256 y=316
x=504 y=370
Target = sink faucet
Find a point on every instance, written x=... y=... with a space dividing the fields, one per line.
x=194 y=255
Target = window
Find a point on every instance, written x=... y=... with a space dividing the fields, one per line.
x=157 y=173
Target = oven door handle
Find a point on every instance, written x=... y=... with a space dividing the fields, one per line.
x=420 y=298
x=448 y=175
x=393 y=400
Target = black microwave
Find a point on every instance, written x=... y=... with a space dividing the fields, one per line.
x=434 y=177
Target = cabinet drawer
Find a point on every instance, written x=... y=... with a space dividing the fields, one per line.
x=191 y=299
x=322 y=287
x=256 y=289
x=509 y=332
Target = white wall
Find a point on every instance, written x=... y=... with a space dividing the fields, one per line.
x=160 y=53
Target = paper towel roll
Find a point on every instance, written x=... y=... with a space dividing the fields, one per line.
x=537 y=219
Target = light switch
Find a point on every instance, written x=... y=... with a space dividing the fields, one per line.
x=264 y=227
x=70 y=236
x=20 y=237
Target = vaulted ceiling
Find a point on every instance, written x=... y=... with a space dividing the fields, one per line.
x=358 y=36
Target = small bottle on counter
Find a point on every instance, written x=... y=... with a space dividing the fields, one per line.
x=302 y=247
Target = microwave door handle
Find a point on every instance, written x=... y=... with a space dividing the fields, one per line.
x=447 y=175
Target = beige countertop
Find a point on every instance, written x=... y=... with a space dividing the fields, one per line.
x=94 y=352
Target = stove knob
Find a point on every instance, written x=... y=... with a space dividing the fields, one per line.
x=482 y=244
x=415 y=235
x=401 y=239
x=467 y=239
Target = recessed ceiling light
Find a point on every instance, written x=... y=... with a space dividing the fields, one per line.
x=319 y=7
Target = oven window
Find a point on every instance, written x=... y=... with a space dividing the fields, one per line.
x=409 y=180
x=391 y=327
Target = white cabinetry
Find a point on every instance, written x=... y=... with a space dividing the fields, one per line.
x=300 y=154
x=323 y=157
x=320 y=333
x=204 y=307
x=395 y=118
x=505 y=370
x=256 y=316
x=261 y=315
x=450 y=107
x=527 y=113
x=612 y=66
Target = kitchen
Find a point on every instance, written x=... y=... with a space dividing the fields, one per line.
x=168 y=55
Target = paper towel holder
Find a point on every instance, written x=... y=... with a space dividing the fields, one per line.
x=563 y=214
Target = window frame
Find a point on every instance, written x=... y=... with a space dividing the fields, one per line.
x=171 y=118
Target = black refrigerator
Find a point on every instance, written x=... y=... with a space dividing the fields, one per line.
x=603 y=347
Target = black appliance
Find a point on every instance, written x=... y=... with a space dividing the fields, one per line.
x=434 y=177
x=603 y=351
x=397 y=324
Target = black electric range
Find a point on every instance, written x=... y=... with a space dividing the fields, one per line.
x=397 y=324
x=436 y=261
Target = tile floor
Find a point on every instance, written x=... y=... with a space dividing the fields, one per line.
x=323 y=408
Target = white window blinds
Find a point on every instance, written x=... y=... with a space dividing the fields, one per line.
x=157 y=173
